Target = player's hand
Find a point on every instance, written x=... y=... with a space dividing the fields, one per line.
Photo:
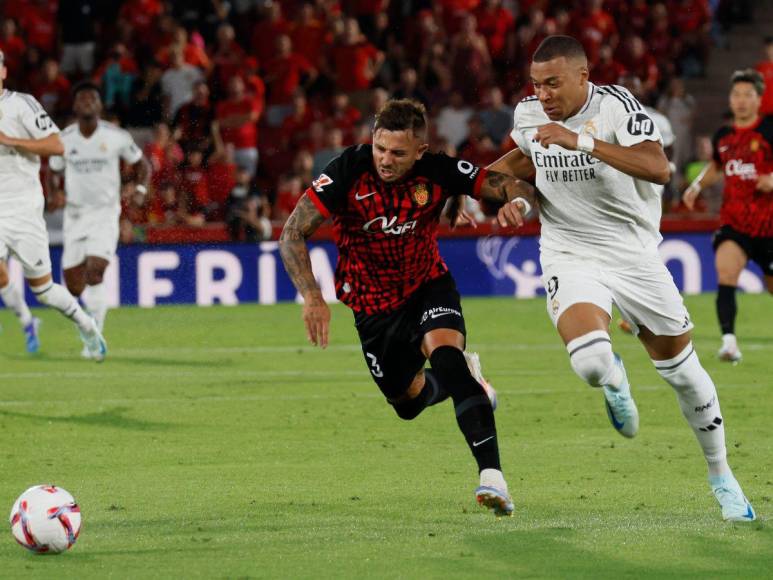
x=765 y=183
x=464 y=219
x=5 y=139
x=689 y=196
x=555 y=134
x=511 y=214
x=316 y=317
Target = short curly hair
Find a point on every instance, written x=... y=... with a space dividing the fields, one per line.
x=402 y=115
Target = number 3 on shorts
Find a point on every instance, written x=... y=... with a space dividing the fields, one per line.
x=375 y=368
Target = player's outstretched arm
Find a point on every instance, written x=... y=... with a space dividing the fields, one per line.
x=303 y=222
x=706 y=178
x=517 y=196
x=516 y=163
x=645 y=160
x=45 y=147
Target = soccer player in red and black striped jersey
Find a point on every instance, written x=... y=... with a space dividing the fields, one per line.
x=743 y=155
x=386 y=201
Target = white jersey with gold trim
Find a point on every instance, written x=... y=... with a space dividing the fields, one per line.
x=21 y=116
x=587 y=207
x=92 y=171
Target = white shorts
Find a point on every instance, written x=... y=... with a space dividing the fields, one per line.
x=89 y=232
x=25 y=237
x=645 y=292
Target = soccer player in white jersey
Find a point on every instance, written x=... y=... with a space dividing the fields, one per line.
x=26 y=134
x=93 y=150
x=597 y=157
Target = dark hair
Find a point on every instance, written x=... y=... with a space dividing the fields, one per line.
x=558 y=46
x=85 y=86
x=402 y=115
x=749 y=75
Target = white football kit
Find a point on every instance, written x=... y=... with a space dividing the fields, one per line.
x=92 y=183
x=22 y=228
x=600 y=227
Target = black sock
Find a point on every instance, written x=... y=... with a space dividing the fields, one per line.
x=474 y=414
x=435 y=392
x=726 y=308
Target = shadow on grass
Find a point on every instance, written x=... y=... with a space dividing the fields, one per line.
x=108 y=418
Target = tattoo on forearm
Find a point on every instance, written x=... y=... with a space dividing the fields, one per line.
x=501 y=188
x=303 y=222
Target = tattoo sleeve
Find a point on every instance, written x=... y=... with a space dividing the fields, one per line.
x=303 y=222
x=501 y=188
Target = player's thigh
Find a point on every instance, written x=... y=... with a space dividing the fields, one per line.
x=30 y=246
x=437 y=316
x=75 y=233
x=393 y=359
x=102 y=238
x=647 y=296
x=578 y=299
x=75 y=279
x=95 y=269
x=730 y=260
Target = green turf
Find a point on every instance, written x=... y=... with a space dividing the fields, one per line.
x=214 y=443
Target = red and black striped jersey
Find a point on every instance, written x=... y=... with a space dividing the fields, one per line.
x=745 y=154
x=386 y=233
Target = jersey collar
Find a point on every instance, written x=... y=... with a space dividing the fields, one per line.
x=588 y=99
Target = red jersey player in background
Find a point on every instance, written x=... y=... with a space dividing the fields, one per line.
x=386 y=200
x=743 y=155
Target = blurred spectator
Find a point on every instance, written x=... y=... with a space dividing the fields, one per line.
x=52 y=89
x=221 y=178
x=334 y=146
x=470 y=60
x=193 y=121
x=309 y=35
x=247 y=211
x=79 y=22
x=146 y=107
x=294 y=130
x=38 y=20
x=193 y=52
x=478 y=148
x=12 y=45
x=451 y=123
x=711 y=197
x=141 y=14
x=237 y=119
x=641 y=64
x=116 y=75
x=692 y=20
x=193 y=192
x=679 y=107
x=497 y=118
x=434 y=72
x=378 y=98
x=290 y=188
x=268 y=29
x=177 y=82
x=765 y=67
x=227 y=57
x=355 y=63
x=409 y=87
x=164 y=208
x=164 y=155
x=285 y=73
x=497 y=24
x=343 y=115
x=607 y=71
x=594 y=26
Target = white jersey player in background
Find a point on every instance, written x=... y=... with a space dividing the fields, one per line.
x=93 y=150
x=26 y=133
x=598 y=157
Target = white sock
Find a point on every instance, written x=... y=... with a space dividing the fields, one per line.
x=58 y=297
x=592 y=359
x=699 y=402
x=95 y=299
x=13 y=298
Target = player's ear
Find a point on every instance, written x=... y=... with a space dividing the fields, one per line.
x=421 y=150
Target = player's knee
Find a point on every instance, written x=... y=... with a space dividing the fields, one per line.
x=43 y=293
x=592 y=358
x=450 y=368
x=94 y=277
x=408 y=409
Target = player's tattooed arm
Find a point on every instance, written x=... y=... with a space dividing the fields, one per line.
x=301 y=224
x=501 y=188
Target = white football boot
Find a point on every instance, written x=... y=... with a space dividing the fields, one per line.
x=492 y=493
x=473 y=363
x=735 y=506
x=729 y=351
x=621 y=408
x=95 y=343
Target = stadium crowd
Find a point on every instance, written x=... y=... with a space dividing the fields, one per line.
x=238 y=104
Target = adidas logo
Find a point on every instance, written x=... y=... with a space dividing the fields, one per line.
x=73 y=151
x=713 y=425
x=39 y=262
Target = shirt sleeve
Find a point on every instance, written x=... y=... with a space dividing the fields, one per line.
x=517 y=135
x=129 y=151
x=328 y=192
x=628 y=119
x=56 y=163
x=35 y=119
x=715 y=147
x=454 y=176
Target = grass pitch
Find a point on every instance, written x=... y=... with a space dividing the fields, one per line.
x=215 y=443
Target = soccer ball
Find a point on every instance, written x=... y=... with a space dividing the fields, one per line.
x=46 y=519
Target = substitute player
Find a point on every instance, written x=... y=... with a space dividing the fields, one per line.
x=386 y=201
x=743 y=155
x=93 y=150
x=598 y=156
x=26 y=133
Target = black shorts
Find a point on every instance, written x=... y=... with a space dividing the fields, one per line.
x=391 y=342
x=758 y=249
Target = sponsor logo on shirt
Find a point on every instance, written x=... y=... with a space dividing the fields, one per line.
x=736 y=167
x=437 y=312
x=321 y=181
x=388 y=226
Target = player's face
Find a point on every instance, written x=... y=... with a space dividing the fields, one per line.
x=395 y=152
x=87 y=104
x=561 y=85
x=744 y=101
